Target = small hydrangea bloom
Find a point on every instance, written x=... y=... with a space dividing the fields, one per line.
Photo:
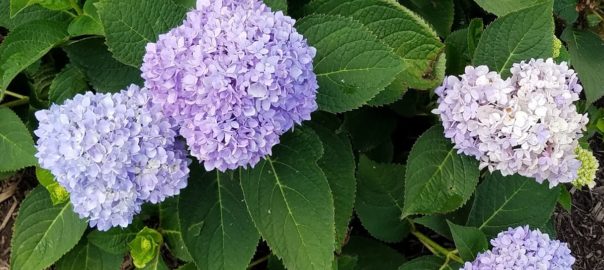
x=587 y=171
x=235 y=76
x=522 y=249
x=526 y=124
x=112 y=153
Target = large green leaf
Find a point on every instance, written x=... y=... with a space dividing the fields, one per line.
x=68 y=83
x=29 y=14
x=510 y=201
x=115 y=240
x=88 y=23
x=289 y=199
x=438 y=13
x=587 y=54
x=379 y=204
x=171 y=230
x=352 y=66
x=276 y=5
x=438 y=179
x=43 y=232
x=567 y=10
x=215 y=225
x=17 y=6
x=131 y=24
x=16 y=144
x=430 y=263
x=469 y=241
x=86 y=256
x=458 y=53
x=408 y=35
x=104 y=73
x=520 y=35
x=25 y=45
x=372 y=254
x=503 y=7
x=338 y=164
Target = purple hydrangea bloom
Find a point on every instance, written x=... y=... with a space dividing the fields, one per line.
x=526 y=124
x=112 y=153
x=234 y=76
x=523 y=249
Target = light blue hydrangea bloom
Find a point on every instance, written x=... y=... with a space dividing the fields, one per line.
x=112 y=152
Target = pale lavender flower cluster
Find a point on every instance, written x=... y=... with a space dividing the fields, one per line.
x=526 y=124
x=112 y=152
x=523 y=249
x=234 y=76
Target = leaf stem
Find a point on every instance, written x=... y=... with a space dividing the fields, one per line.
x=10 y=93
x=435 y=248
x=258 y=261
x=76 y=7
x=15 y=103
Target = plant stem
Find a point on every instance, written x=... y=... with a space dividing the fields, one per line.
x=15 y=103
x=259 y=261
x=10 y=93
x=76 y=7
x=436 y=248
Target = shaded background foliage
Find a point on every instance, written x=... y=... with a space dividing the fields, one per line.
x=361 y=186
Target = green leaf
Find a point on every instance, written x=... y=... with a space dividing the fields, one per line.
x=289 y=199
x=131 y=24
x=379 y=205
x=351 y=65
x=170 y=228
x=156 y=264
x=458 y=51
x=408 y=35
x=372 y=254
x=520 y=35
x=86 y=256
x=25 y=45
x=188 y=266
x=104 y=73
x=53 y=4
x=68 y=83
x=436 y=223
x=430 y=263
x=145 y=247
x=511 y=201
x=503 y=7
x=549 y=228
x=567 y=10
x=115 y=240
x=43 y=232
x=346 y=262
x=438 y=13
x=437 y=180
x=29 y=14
x=88 y=23
x=565 y=199
x=17 y=6
x=475 y=30
x=58 y=194
x=587 y=54
x=16 y=144
x=215 y=225
x=469 y=241
x=276 y=5
x=338 y=164
x=369 y=127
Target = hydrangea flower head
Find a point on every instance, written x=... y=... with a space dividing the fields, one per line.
x=587 y=171
x=112 y=153
x=521 y=248
x=526 y=124
x=234 y=76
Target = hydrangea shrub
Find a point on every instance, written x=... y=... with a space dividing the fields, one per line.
x=280 y=134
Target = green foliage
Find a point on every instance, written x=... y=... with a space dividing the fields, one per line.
x=297 y=220
x=380 y=199
x=503 y=7
x=103 y=72
x=89 y=257
x=519 y=35
x=58 y=194
x=131 y=24
x=372 y=254
x=17 y=6
x=16 y=144
x=510 y=201
x=469 y=241
x=115 y=240
x=169 y=222
x=567 y=10
x=25 y=45
x=437 y=179
x=587 y=53
x=31 y=13
x=144 y=248
x=352 y=65
x=215 y=224
x=87 y=23
x=40 y=237
x=277 y=5
x=439 y=13
x=68 y=83
x=430 y=263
